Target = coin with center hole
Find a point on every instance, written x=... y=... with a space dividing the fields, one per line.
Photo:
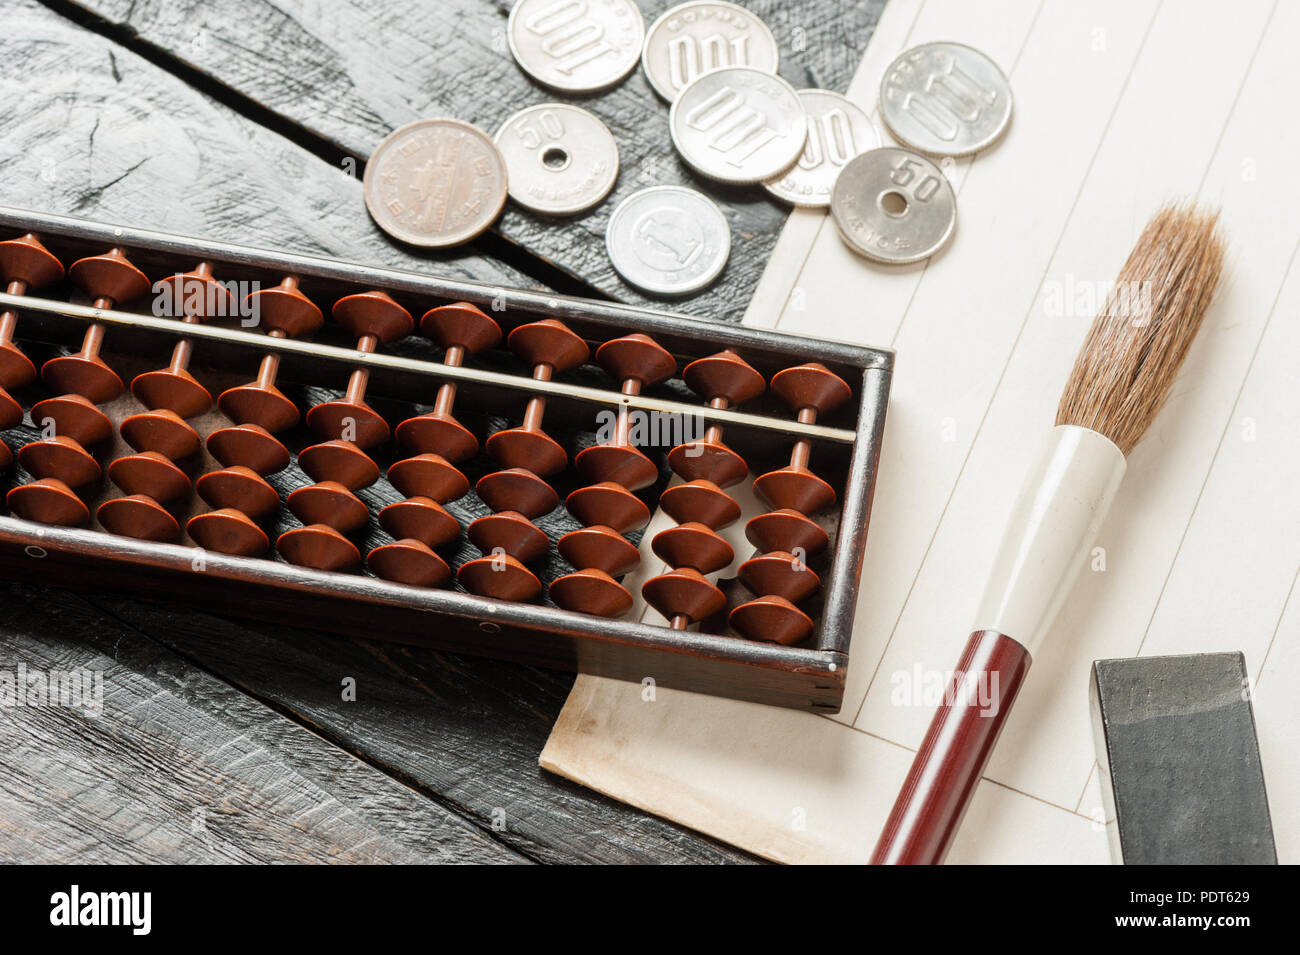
x=945 y=99
x=694 y=38
x=894 y=206
x=668 y=240
x=738 y=125
x=435 y=183
x=837 y=131
x=561 y=159
x=578 y=46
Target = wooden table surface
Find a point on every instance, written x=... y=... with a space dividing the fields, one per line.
x=228 y=741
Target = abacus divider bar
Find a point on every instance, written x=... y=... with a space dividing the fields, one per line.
x=350 y=358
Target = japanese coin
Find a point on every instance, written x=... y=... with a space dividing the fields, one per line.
x=837 y=131
x=668 y=240
x=561 y=159
x=435 y=183
x=945 y=99
x=894 y=206
x=738 y=125
x=578 y=46
x=694 y=38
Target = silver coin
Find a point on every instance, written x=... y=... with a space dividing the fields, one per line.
x=435 y=183
x=561 y=159
x=837 y=131
x=578 y=46
x=894 y=206
x=668 y=240
x=694 y=38
x=738 y=125
x=945 y=99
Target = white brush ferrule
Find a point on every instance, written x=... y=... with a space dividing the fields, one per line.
x=1051 y=533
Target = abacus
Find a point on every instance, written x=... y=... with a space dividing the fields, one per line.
x=437 y=462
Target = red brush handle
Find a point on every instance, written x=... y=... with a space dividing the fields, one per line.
x=957 y=746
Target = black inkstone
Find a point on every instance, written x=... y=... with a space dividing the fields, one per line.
x=1181 y=774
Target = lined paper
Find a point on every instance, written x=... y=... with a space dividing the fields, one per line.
x=1119 y=106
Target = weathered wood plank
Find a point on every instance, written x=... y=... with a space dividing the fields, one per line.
x=177 y=766
x=87 y=127
x=467 y=730
x=91 y=129
x=350 y=71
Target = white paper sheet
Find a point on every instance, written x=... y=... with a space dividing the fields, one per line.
x=1119 y=106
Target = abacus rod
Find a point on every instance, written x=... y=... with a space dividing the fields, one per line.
x=351 y=357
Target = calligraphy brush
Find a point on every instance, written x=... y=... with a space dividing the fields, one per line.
x=1119 y=382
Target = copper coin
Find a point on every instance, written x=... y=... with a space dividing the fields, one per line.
x=435 y=183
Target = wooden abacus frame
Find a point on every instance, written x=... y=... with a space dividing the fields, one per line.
x=802 y=677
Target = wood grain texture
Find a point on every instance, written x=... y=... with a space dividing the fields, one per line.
x=351 y=71
x=465 y=731
x=181 y=767
x=90 y=128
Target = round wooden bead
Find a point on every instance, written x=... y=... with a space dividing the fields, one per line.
x=811 y=386
x=373 y=313
x=48 y=501
x=501 y=577
x=601 y=548
x=319 y=547
x=683 y=592
x=149 y=473
x=138 y=516
x=693 y=545
x=328 y=503
x=409 y=562
x=461 y=325
x=429 y=475
x=61 y=458
x=517 y=489
x=786 y=530
x=163 y=431
x=250 y=446
x=508 y=532
x=238 y=488
x=419 y=518
x=339 y=461
x=73 y=417
x=773 y=619
x=702 y=502
x=610 y=504
x=175 y=391
x=724 y=375
x=591 y=591
x=780 y=574
x=228 y=531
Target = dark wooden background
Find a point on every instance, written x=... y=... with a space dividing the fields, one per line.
x=227 y=741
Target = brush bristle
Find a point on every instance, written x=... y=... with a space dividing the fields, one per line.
x=1143 y=332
